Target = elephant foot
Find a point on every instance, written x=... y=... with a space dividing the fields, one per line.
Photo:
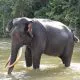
x=28 y=61
x=10 y=70
x=35 y=66
x=29 y=64
x=67 y=62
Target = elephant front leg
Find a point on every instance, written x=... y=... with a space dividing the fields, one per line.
x=28 y=57
x=36 y=60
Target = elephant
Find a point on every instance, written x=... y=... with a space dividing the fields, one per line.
x=41 y=36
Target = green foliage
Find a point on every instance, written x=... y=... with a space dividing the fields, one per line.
x=66 y=11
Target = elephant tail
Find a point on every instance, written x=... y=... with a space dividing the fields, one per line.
x=76 y=39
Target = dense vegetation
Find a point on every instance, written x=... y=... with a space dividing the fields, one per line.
x=66 y=11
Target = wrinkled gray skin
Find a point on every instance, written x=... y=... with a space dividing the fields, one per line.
x=49 y=37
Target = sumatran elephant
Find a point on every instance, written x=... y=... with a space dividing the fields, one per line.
x=41 y=36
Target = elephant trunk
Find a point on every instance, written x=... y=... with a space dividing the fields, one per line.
x=17 y=59
x=13 y=57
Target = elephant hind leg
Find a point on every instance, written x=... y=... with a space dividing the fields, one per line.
x=28 y=57
x=66 y=60
x=67 y=55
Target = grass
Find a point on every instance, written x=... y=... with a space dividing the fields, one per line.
x=51 y=67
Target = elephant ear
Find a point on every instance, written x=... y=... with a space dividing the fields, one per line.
x=9 y=26
x=28 y=28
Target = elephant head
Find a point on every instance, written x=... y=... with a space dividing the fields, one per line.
x=21 y=34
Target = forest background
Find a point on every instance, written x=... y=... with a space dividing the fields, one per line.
x=66 y=11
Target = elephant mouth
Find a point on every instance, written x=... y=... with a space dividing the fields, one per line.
x=16 y=61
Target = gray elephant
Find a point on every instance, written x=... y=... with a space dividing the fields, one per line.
x=41 y=36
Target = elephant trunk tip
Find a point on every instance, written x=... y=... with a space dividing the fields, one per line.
x=10 y=71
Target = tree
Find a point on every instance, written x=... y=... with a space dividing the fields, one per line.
x=66 y=11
